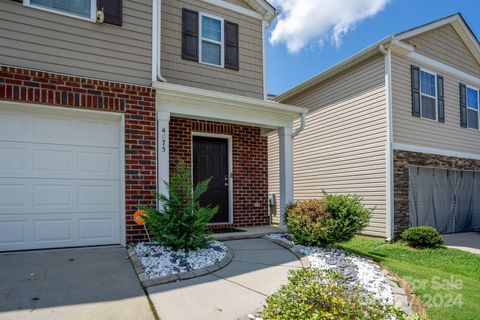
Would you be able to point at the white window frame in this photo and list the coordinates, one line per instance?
(93, 11)
(221, 42)
(478, 105)
(429, 96)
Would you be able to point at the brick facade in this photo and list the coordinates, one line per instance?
(137, 103)
(402, 161)
(250, 165)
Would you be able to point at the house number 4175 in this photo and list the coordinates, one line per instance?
(163, 140)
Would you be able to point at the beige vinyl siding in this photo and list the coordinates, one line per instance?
(36, 39)
(445, 45)
(248, 81)
(274, 175)
(424, 132)
(342, 148)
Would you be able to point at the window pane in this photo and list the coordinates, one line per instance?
(427, 83)
(211, 53)
(211, 29)
(472, 98)
(472, 118)
(428, 108)
(76, 7)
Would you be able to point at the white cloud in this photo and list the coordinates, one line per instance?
(304, 21)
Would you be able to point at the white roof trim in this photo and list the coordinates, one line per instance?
(339, 67)
(217, 106)
(397, 45)
(458, 24)
(425, 28)
(268, 13)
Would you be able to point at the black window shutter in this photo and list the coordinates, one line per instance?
(415, 91)
(112, 10)
(463, 105)
(440, 99)
(231, 45)
(189, 34)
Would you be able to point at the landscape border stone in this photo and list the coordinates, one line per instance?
(146, 282)
(399, 294)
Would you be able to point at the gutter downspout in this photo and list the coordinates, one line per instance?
(389, 146)
(302, 126)
(264, 27)
(156, 41)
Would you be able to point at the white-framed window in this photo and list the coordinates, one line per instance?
(211, 40)
(428, 95)
(472, 107)
(83, 9)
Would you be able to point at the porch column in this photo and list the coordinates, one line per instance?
(286, 170)
(163, 159)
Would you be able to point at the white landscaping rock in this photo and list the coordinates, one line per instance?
(160, 261)
(356, 269)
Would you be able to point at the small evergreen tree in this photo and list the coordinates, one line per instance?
(181, 223)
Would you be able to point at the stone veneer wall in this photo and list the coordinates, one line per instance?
(250, 165)
(137, 103)
(402, 161)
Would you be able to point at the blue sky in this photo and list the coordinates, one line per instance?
(285, 69)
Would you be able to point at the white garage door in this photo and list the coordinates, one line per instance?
(59, 178)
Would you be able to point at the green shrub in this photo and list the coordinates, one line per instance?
(333, 219)
(181, 223)
(323, 294)
(422, 237)
(305, 221)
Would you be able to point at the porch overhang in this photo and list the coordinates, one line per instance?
(183, 101)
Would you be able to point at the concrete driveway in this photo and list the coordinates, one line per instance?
(467, 241)
(86, 283)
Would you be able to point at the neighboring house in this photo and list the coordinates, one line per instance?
(398, 124)
(93, 116)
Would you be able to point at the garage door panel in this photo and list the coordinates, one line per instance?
(48, 127)
(98, 133)
(50, 161)
(14, 232)
(15, 125)
(12, 158)
(39, 196)
(98, 196)
(98, 163)
(32, 160)
(53, 230)
(98, 228)
(13, 196)
(59, 179)
(56, 129)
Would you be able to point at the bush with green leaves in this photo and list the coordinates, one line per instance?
(181, 223)
(422, 237)
(333, 219)
(324, 294)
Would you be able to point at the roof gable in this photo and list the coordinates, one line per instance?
(458, 24)
(455, 21)
(446, 46)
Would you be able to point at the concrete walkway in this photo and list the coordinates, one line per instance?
(88, 283)
(258, 269)
(467, 241)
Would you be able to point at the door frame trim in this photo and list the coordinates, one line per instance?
(230, 169)
(94, 114)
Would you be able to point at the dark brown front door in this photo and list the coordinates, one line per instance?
(210, 159)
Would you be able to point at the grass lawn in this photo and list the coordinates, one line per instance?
(446, 280)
